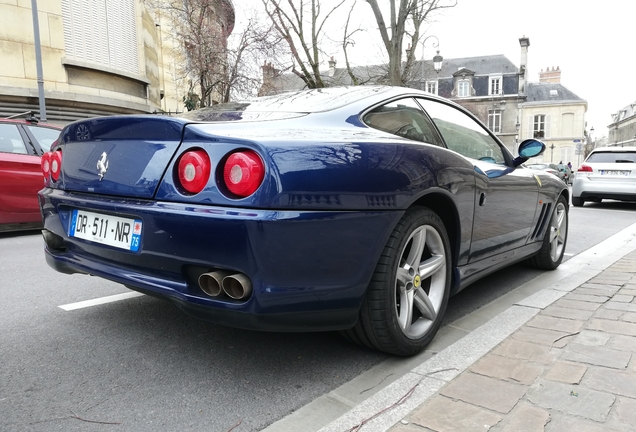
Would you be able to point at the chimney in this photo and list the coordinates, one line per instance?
(269, 71)
(332, 67)
(523, 64)
(550, 75)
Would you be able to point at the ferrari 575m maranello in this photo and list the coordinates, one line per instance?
(356, 209)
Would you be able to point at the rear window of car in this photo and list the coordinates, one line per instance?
(45, 136)
(613, 157)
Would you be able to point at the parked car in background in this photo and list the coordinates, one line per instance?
(359, 209)
(607, 173)
(549, 168)
(22, 143)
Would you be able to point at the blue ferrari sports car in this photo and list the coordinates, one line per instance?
(357, 209)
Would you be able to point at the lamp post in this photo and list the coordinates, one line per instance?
(552, 153)
(437, 60)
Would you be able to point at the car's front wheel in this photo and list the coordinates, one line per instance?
(409, 290)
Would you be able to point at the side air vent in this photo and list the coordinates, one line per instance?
(542, 222)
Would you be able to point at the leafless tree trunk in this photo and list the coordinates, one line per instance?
(300, 25)
(405, 20)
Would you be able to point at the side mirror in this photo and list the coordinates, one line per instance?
(527, 149)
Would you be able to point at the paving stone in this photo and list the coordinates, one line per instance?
(610, 314)
(541, 336)
(491, 393)
(524, 350)
(405, 428)
(626, 307)
(571, 399)
(576, 304)
(628, 291)
(626, 411)
(592, 338)
(602, 290)
(626, 316)
(565, 372)
(507, 369)
(443, 414)
(561, 312)
(623, 298)
(624, 328)
(562, 423)
(621, 383)
(596, 355)
(526, 418)
(623, 343)
(552, 323)
(586, 298)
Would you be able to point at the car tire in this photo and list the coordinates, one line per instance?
(403, 307)
(552, 250)
(577, 202)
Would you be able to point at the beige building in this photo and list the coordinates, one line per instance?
(98, 58)
(622, 130)
(555, 115)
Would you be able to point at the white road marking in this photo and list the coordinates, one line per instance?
(99, 301)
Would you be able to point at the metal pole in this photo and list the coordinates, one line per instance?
(38, 59)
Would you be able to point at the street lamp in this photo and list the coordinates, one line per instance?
(437, 60)
(551, 152)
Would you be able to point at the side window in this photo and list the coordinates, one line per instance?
(403, 118)
(45, 136)
(463, 134)
(11, 140)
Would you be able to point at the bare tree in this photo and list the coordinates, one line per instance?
(405, 20)
(301, 26)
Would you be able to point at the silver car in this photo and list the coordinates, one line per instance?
(607, 173)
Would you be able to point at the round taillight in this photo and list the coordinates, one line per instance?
(243, 173)
(56, 164)
(194, 170)
(45, 163)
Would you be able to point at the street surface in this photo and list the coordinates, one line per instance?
(140, 364)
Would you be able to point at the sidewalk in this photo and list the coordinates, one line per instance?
(558, 360)
(569, 368)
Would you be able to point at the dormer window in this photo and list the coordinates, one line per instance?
(431, 87)
(554, 93)
(463, 88)
(495, 85)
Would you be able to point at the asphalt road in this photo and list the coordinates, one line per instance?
(140, 364)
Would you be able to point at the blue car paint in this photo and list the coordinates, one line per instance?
(309, 238)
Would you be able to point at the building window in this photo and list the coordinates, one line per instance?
(538, 128)
(494, 85)
(494, 120)
(431, 87)
(102, 32)
(463, 88)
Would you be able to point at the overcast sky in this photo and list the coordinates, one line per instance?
(593, 43)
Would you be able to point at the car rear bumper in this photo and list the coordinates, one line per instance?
(618, 188)
(309, 270)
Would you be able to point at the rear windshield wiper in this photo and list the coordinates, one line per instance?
(623, 161)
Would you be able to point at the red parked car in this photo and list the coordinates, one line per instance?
(22, 143)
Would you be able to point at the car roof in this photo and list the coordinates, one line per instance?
(614, 149)
(29, 123)
(306, 101)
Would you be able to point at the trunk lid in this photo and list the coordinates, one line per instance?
(120, 155)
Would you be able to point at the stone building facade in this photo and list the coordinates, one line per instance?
(98, 58)
(622, 130)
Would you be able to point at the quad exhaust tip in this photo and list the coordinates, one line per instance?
(235, 285)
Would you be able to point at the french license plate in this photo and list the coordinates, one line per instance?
(110, 230)
(615, 172)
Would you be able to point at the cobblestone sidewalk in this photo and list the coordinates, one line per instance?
(570, 368)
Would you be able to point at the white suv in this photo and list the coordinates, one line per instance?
(607, 173)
